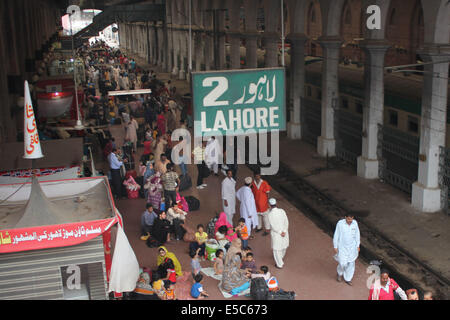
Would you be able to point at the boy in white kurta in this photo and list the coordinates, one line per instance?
(346, 243)
(279, 232)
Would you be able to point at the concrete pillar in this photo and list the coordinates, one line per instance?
(221, 39)
(183, 55)
(297, 84)
(235, 50)
(176, 51)
(426, 191)
(251, 48)
(198, 57)
(209, 51)
(271, 45)
(326, 143)
(163, 38)
(368, 162)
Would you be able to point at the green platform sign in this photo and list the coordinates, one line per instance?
(238, 101)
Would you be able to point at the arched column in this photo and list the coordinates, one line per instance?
(375, 48)
(272, 12)
(297, 83)
(426, 191)
(331, 44)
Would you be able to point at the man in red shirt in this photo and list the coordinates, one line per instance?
(261, 190)
(384, 288)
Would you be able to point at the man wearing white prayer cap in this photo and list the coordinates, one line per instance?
(248, 206)
(279, 232)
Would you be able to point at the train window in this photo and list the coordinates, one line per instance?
(359, 107)
(344, 103)
(413, 124)
(393, 118)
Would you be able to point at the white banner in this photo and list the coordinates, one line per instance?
(32, 145)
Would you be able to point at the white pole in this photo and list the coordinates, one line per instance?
(190, 36)
(282, 33)
(79, 123)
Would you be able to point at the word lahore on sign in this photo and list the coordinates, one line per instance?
(234, 102)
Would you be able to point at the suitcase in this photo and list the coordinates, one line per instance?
(259, 289)
(185, 182)
(193, 203)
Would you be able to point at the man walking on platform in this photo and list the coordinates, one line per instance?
(261, 190)
(248, 206)
(116, 178)
(279, 231)
(346, 243)
(229, 196)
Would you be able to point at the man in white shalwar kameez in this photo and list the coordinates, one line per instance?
(279, 232)
(346, 243)
(212, 154)
(248, 205)
(229, 196)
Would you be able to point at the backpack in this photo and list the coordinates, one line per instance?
(185, 182)
(211, 227)
(259, 289)
(193, 203)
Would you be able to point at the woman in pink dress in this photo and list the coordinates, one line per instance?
(161, 122)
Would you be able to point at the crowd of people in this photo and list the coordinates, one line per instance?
(158, 180)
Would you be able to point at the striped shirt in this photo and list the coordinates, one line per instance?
(199, 154)
(169, 180)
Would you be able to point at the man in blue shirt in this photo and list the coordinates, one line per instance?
(114, 165)
(147, 219)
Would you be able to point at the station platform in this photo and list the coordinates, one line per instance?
(310, 269)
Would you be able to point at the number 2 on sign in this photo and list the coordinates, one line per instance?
(222, 86)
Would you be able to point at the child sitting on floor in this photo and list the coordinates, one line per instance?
(158, 285)
(195, 263)
(249, 264)
(200, 241)
(197, 290)
(218, 265)
(262, 273)
(171, 274)
(169, 291)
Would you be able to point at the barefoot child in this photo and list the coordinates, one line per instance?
(197, 290)
(218, 265)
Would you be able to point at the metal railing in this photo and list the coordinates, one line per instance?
(399, 155)
(311, 119)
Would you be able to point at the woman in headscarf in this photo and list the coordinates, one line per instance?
(233, 276)
(164, 255)
(222, 221)
(155, 190)
(161, 229)
(144, 290)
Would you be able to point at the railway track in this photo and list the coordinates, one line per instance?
(325, 212)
